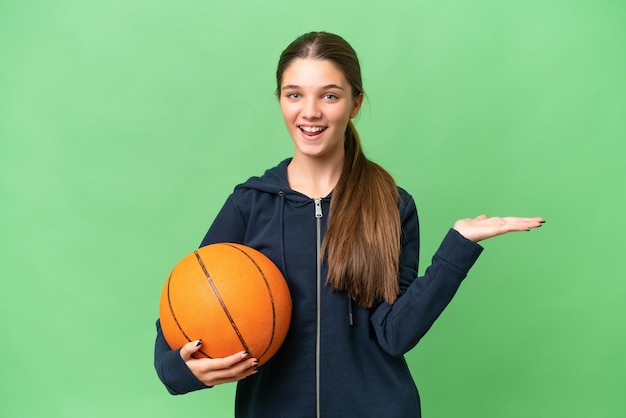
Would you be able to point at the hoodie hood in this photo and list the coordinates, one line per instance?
(274, 185)
(274, 181)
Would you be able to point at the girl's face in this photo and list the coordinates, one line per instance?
(316, 102)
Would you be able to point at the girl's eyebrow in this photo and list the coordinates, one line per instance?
(326, 87)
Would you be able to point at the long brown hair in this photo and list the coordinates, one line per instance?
(362, 241)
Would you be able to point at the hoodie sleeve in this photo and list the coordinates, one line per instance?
(170, 367)
(399, 326)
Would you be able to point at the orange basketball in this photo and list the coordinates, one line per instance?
(229, 295)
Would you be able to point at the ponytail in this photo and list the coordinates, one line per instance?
(362, 241)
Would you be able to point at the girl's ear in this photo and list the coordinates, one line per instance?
(358, 101)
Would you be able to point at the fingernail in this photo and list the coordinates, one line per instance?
(256, 369)
(244, 354)
(255, 362)
(199, 343)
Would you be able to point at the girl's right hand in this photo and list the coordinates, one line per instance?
(215, 371)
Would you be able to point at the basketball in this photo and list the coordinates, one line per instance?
(229, 295)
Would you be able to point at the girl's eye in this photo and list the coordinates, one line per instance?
(293, 96)
(330, 96)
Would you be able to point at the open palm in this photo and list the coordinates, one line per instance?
(483, 227)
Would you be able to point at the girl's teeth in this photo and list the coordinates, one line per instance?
(312, 129)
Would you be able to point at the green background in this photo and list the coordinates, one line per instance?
(124, 125)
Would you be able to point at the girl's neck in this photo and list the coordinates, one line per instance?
(314, 177)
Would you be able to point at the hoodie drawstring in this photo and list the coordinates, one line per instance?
(281, 194)
(350, 319)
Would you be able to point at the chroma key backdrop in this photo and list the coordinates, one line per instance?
(124, 125)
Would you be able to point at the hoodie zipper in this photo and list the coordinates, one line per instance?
(318, 222)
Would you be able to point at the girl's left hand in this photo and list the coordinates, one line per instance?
(483, 227)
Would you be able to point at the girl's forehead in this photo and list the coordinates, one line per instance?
(309, 71)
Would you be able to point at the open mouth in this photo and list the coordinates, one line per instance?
(312, 130)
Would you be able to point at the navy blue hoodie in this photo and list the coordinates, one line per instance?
(338, 359)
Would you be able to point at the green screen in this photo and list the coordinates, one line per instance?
(124, 125)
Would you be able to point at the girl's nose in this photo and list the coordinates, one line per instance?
(311, 109)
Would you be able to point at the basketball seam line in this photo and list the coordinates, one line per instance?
(221, 301)
(169, 302)
(269, 291)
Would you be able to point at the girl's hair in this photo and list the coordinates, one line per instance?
(362, 241)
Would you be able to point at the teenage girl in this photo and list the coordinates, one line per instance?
(347, 240)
